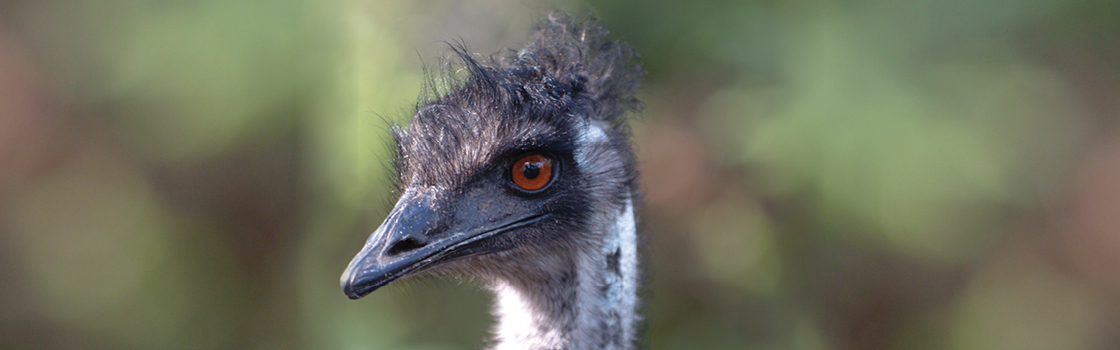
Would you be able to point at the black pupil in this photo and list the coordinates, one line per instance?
(532, 170)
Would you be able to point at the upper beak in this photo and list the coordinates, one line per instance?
(418, 234)
(400, 243)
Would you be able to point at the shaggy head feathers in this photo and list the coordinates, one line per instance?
(538, 97)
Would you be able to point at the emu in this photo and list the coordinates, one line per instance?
(523, 177)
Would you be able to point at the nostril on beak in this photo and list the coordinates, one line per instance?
(406, 244)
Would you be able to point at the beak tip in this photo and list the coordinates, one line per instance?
(353, 284)
(347, 282)
(355, 292)
(349, 289)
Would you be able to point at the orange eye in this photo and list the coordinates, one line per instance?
(532, 173)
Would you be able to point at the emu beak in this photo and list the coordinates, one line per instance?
(418, 234)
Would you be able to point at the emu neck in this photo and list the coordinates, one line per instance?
(585, 300)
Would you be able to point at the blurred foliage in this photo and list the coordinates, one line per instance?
(819, 174)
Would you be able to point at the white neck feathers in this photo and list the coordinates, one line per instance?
(597, 309)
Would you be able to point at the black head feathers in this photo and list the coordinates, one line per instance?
(569, 73)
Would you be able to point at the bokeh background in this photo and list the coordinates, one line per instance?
(852, 174)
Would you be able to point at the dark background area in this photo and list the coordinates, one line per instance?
(819, 174)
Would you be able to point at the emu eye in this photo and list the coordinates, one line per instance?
(532, 173)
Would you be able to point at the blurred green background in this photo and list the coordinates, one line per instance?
(852, 174)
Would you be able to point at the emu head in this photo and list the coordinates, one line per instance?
(514, 170)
